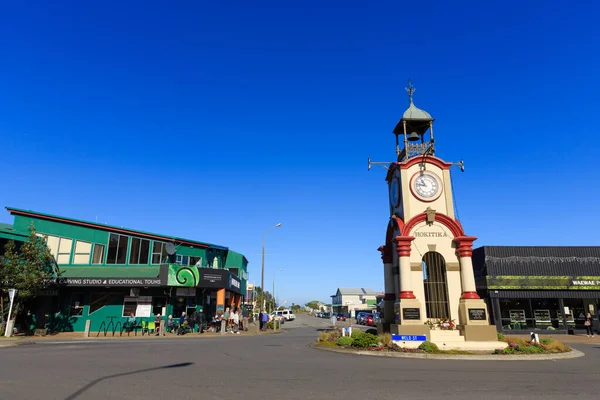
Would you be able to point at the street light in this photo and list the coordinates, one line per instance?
(275, 301)
(262, 277)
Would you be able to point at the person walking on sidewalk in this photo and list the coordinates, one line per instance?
(588, 325)
(245, 319)
(235, 317)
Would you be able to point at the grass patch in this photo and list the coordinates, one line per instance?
(546, 346)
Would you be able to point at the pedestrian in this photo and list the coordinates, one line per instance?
(588, 325)
(265, 320)
(200, 320)
(182, 324)
(260, 320)
(245, 318)
(236, 322)
(157, 324)
(224, 321)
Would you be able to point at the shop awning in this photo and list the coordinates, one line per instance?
(545, 294)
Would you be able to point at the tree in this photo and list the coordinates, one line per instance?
(26, 267)
(296, 308)
(269, 300)
(315, 304)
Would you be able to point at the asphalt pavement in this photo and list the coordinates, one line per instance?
(276, 366)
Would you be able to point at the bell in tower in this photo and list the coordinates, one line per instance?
(413, 126)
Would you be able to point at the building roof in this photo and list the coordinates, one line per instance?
(537, 260)
(35, 214)
(7, 232)
(415, 113)
(357, 291)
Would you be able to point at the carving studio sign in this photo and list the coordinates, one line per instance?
(127, 282)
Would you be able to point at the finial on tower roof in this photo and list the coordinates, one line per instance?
(410, 90)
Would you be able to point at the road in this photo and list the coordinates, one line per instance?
(278, 366)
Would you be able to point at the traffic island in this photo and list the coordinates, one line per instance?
(361, 343)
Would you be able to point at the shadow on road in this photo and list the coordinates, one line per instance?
(93, 383)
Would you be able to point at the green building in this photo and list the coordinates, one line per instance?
(107, 273)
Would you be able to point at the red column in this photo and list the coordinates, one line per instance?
(403, 248)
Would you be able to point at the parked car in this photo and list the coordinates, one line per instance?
(288, 314)
(319, 314)
(360, 317)
(369, 320)
(340, 317)
(376, 318)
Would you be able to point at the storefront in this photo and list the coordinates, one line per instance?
(107, 273)
(539, 288)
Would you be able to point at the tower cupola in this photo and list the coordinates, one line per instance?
(413, 126)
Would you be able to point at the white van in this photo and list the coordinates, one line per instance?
(287, 314)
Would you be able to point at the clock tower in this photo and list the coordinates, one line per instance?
(428, 273)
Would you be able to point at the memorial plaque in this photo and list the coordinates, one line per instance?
(411, 313)
(477, 314)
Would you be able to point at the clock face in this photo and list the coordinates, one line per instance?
(426, 185)
(394, 192)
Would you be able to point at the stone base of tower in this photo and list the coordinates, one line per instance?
(408, 312)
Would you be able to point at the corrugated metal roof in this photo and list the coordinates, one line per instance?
(545, 294)
(537, 260)
(358, 291)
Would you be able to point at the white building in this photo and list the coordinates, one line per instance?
(347, 301)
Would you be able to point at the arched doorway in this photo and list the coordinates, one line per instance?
(436, 286)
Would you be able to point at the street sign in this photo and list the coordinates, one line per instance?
(409, 338)
(12, 293)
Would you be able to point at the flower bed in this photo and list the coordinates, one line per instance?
(520, 346)
(360, 340)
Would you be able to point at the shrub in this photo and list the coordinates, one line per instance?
(356, 333)
(345, 341)
(501, 336)
(365, 340)
(546, 341)
(323, 336)
(385, 339)
(372, 331)
(428, 347)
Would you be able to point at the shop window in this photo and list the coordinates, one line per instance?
(159, 253)
(140, 249)
(98, 256)
(196, 261)
(516, 314)
(138, 306)
(157, 305)
(60, 248)
(77, 300)
(182, 260)
(575, 313)
(117, 249)
(82, 252)
(547, 314)
(184, 302)
(99, 300)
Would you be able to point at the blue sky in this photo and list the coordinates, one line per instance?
(216, 120)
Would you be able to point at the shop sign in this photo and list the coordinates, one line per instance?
(119, 282)
(543, 282)
(182, 275)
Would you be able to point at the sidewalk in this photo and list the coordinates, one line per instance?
(78, 336)
(562, 338)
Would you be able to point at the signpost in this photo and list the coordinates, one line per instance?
(11, 295)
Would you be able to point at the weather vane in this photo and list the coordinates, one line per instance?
(410, 90)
